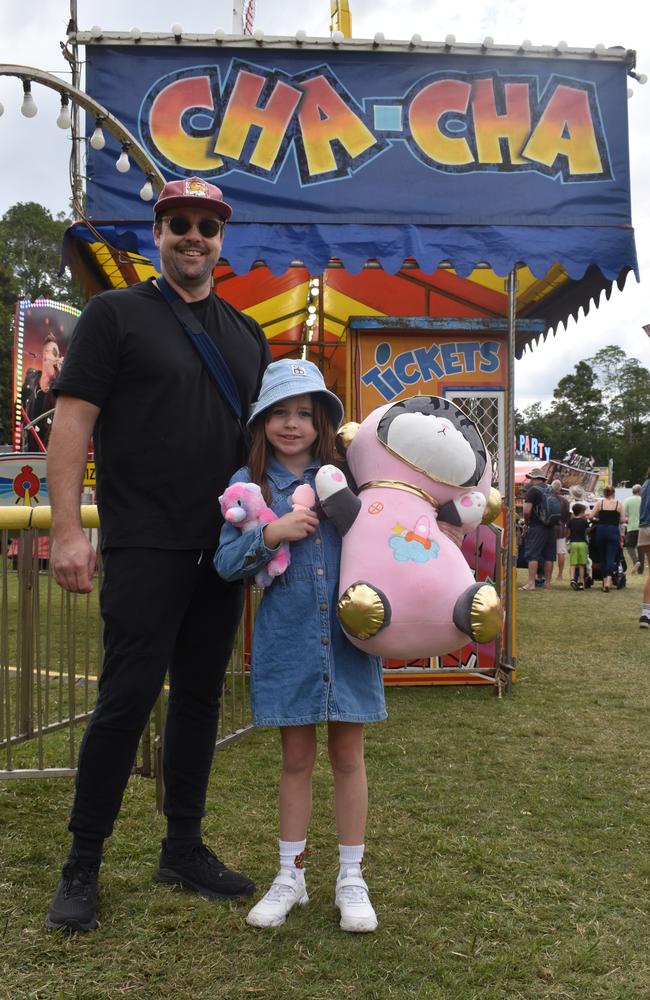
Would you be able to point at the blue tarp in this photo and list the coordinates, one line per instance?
(610, 248)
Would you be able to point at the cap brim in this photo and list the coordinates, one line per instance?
(220, 208)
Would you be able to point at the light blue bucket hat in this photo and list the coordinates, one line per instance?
(291, 377)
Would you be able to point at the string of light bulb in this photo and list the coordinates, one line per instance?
(130, 147)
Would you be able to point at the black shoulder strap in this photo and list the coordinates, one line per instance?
(212, 357)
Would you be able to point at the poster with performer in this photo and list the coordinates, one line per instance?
(42, 332)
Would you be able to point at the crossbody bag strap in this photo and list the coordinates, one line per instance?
(212, 357)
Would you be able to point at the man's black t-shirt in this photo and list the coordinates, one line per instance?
(166, 442)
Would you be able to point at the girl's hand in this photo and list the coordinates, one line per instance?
(291, 527)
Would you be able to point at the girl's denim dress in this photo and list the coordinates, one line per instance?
(303, 668)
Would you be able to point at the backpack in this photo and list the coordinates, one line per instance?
(549, 509)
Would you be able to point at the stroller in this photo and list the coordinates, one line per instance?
(594, 569)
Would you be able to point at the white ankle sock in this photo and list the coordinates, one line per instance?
(292, 856)
(350, 856)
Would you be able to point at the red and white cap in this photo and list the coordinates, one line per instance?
(193, 192)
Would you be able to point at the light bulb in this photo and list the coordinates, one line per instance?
(219, 34)
(146, 191)
(136, 34)
(450, 40)
(258, 35)
(97, 140)
(379, 38)
(526, 45)
(64, 120)
(641, 78)
(599, 48)
(310, 320)
(630, 92)
(301, 36)
(28, 107)
(311, 309)
(337, 37)
(488, 41)
(96, 32)
(177, 30)
(416, 39)
(123, 164)
(561, 46)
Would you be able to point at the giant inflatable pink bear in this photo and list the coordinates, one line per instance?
(406, 590)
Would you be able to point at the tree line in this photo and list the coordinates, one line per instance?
(602, 410)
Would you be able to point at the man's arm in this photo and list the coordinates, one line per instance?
(71, 554)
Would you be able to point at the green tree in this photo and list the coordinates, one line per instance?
(607, 364)
(30, 250)
(8, 296)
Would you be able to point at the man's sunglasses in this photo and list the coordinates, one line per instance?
(209, 228)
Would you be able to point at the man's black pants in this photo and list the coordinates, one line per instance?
(164, 610)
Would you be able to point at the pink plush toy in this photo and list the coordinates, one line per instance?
(243, 505)
(406, 590)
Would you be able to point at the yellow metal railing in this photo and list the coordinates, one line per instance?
(51, 655)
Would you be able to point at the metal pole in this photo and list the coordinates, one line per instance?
(77, 186)
(509, 659)
(238, 17)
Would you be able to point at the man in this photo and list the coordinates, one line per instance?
(560, 531)
(166, 443)
(631, 507)
(540, 538)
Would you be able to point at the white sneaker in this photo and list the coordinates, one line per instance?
(353, 901)
(286, 890)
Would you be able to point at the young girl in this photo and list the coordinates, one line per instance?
(303, 668)
(576, 533)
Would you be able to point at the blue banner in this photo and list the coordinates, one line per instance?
(302, 136)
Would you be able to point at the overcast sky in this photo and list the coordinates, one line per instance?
(34, 153)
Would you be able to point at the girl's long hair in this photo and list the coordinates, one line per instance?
(323, 448)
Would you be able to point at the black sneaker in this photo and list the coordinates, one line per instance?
(574, 585)
(74, 906)
(644, 621)
(201, 870)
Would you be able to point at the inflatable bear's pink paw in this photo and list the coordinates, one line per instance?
(329, 480)
(470, 508)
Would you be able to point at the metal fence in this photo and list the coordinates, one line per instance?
(51, 656)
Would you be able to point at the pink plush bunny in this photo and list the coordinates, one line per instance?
(242, 504)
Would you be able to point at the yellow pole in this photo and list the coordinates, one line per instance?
(340, 17)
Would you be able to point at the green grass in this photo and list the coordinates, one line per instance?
(507, 848)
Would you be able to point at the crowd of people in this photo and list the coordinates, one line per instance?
(594, 536)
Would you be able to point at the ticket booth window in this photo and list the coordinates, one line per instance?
(485, 409)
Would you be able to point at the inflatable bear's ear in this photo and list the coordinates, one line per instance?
(344, 436)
